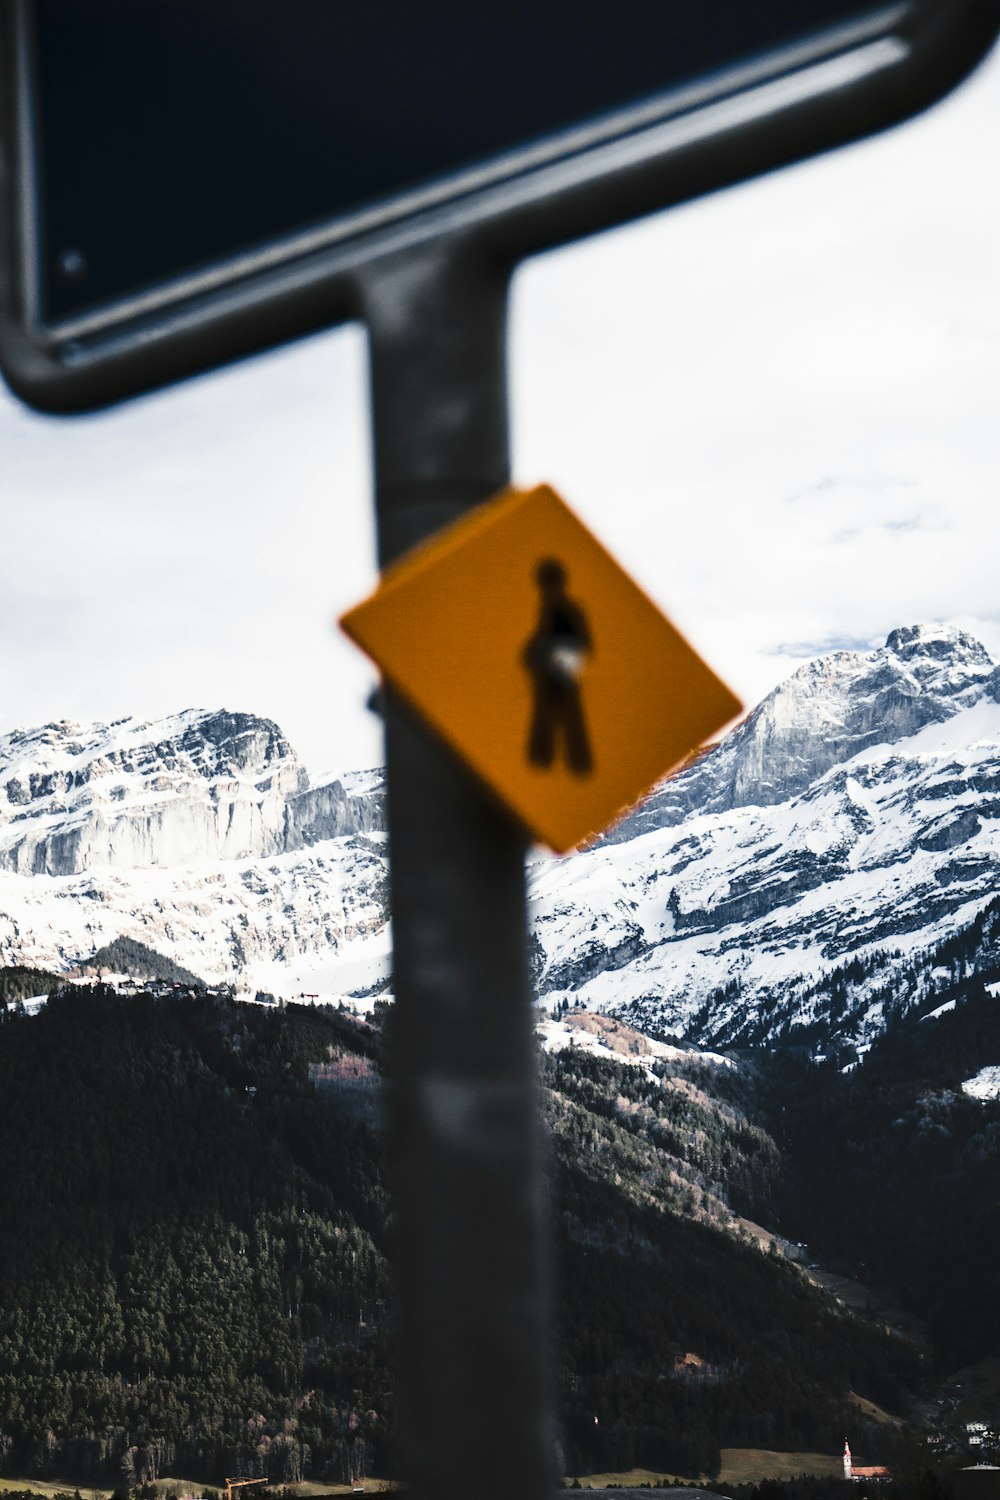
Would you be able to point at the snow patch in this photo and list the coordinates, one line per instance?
(603, 1036)
(985, 1085)
(941, 1011)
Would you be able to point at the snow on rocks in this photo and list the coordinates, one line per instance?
(167, 792)
(883, 849)
(856, 812)
(603, 1036)
(985, 1085)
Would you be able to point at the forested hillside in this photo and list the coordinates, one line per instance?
(677, 1334)
(893, 1166)
(194, 1215)
(20, 983)
(192, 1244)
(126, 956)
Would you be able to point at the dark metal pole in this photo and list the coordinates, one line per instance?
(475, 1416)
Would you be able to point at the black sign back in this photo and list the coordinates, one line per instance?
(162, 155)
(175, 133)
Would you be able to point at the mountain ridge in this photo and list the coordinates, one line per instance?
(875, 829)
(922, 674)
(137, 794)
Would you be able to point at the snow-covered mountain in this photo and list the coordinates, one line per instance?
(855, 813)
(198, 834)
(135, 795)
(827, 712)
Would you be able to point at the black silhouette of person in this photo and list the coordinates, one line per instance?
(555, 657)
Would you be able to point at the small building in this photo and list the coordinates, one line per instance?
(857, 1472)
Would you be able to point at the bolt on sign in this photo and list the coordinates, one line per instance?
(521, 641)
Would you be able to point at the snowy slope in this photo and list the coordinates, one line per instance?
(604, 1036)
(985, 1085)
(223, 920)
(198, 834)
(856, 812)
(720, 919)
(132, 795)
(828, 711)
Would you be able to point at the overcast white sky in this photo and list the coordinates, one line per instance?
(777, 407)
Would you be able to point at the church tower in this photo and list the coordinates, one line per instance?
(847, 1459)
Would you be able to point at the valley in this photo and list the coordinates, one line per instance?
(166, 1305)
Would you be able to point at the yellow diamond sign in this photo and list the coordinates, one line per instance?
(520, 640)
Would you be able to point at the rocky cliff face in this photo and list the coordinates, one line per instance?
(828, 711)
(240, 920)
(857, 811)
(173, 792)
(198, 835)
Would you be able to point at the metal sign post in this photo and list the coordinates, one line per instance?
(467, 1160)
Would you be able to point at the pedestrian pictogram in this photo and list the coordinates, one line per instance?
(521, 641)
(556, 656)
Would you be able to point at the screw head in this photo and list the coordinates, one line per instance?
(71, 266)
